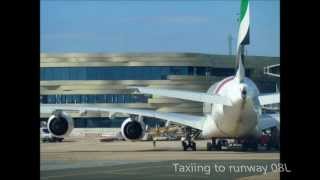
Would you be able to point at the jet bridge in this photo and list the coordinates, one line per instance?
(272, 70)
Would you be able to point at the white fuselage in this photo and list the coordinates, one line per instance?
(238, 120)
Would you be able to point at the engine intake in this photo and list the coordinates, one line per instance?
(60, 124)
(132, 130)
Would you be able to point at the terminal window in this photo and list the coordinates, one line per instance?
(92, 99)
(128, 73)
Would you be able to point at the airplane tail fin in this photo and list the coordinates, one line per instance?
(243, 38)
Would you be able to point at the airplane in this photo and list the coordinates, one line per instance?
(232, 106)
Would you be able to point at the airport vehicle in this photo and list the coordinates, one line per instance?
(232, 107)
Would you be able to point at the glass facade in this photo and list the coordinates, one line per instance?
(95, 98)
(129, 73)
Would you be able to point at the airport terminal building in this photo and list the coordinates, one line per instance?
(105, 80)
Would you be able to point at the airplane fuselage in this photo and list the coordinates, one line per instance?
(238, 120)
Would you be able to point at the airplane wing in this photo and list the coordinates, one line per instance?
(266, 99)
(183, 119)
(268, 120)
(187, 95)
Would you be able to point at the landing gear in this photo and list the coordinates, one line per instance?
(233, 144)
(211, 145)
(216, 146)
(188, 143)
(249, 144)
(222, 143)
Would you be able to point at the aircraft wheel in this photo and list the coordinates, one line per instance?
(255, 146)
(193, 146)
(209, 146)
(244, 146)
(219, 145)
(184, 145)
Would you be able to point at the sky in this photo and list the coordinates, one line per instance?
(110, 26)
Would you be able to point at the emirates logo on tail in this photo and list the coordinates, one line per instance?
(243, 38)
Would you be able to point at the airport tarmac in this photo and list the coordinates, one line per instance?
(88, 158)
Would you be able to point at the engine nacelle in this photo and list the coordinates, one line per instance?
(60, 124)
(132, 130)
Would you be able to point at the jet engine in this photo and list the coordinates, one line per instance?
(132, 130)
(60, 124)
